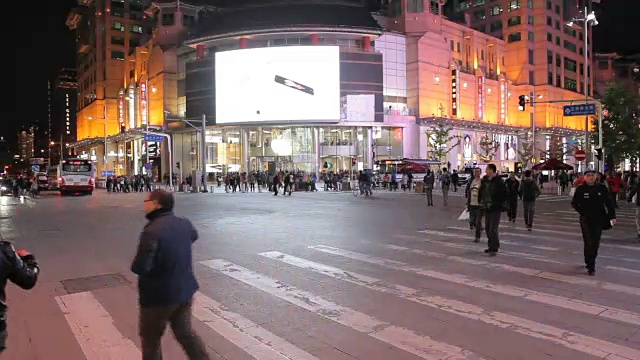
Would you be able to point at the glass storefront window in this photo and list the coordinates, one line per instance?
(388, 143)
(339, 148)
(224, 150)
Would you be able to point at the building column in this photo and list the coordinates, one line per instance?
(316, 151)
(366, 43)
(244, 43)
(244, 145)
(315, 39)
(369, 161)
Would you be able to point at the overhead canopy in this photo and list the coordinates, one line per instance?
(552, 164)
(413, 167)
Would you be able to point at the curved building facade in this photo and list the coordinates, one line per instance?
(287, 85)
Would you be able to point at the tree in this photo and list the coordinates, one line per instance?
(441, 141)
(557, 148)
(487, 147)
(620, 132)
(525, 150)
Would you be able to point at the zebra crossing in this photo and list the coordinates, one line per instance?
(424, 294)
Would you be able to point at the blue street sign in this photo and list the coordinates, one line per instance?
(579, 110)
(153, 138)
(108, 173)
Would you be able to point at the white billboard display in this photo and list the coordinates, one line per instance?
(278, 84)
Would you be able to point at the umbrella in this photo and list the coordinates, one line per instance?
(552, 164)
(413, 167)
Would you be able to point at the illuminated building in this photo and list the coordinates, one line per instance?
(62, 117)
(106, 31)
(467, 77)
(319, 104)
(26, 143)
(150, 90)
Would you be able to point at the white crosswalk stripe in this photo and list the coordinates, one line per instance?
(533, 270)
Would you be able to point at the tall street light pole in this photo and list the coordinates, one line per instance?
(588, 19)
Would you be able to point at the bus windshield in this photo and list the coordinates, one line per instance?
(77, 166)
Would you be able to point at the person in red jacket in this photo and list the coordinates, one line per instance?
(614, 183)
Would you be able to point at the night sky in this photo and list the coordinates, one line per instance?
(41, 48)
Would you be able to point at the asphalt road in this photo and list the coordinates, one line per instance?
(328, 276)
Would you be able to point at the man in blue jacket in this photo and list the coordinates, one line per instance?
(166, 282)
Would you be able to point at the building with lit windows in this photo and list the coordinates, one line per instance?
(62, 118)
(614, 68)
(106, 32)
(468, 75)
(291, 85)
(26, 144)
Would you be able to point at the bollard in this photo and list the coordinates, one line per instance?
(211, 188)
(559, 190)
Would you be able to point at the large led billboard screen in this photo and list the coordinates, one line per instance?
(278, 84)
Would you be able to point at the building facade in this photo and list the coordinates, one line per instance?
(614, 68)
(107, 31)
(468, 77)
(322, 109)
(26, 144)
(62, 130)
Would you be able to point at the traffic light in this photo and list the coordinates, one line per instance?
(599, 154)
(522, 102)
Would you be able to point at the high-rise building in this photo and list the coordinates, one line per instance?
(26, 143)
(62, 112)
(107, 30)
(614, 68)
(542, 49)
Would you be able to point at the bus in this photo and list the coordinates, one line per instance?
(77, 176)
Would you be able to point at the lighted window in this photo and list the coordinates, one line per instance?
(513, 5)
(135, 29)
(478, 2)
(479, 15)
(117, 55)
(116, 25)
(495, 10)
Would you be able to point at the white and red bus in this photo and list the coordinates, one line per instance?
(77, 176)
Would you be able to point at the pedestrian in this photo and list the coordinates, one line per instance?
(635, 191)
(428, 180)
(513, 185)
(472, 193)
(21, 268)
(493, 197)
(528, 192)
(445, 182)
(166, 283)
(597, 212)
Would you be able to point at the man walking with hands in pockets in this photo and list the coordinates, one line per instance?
(597, 212)
(166, 282)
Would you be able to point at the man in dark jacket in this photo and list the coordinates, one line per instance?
(528, 192)
(21, 268)
(166, 282)
(597, 212)
(512, 187)
(634, 185)
(493, 196)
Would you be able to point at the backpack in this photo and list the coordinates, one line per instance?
(529, 190)
(447, 180)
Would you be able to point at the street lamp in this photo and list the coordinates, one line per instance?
(588, 19)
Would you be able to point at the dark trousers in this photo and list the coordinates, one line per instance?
(591, 234)
(529, 208)
(491, 224)
(153, 322)
(429, 191)
(475, 220)
(512, 211)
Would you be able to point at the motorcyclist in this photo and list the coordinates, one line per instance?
(21, 268)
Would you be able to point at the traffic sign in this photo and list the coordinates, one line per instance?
(580, 155)
(107, 173)
(579, 110)
(153, 138)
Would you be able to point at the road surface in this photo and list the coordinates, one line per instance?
(329, 276)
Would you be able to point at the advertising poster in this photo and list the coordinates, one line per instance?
(278, 84)
(467, 146)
